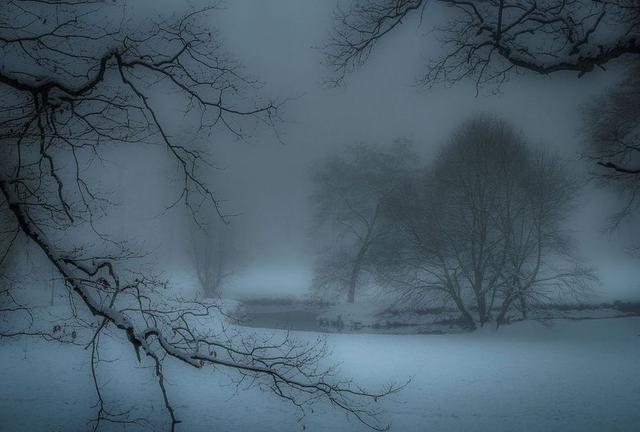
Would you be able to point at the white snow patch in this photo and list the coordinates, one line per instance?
(569, 376)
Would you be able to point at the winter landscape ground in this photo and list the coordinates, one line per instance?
(561, 375)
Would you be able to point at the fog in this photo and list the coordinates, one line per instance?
(264, 179)
(267, 181)
(245, 215)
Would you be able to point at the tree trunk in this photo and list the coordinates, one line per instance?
(504, 308)
(523, 305)
(466, 316)
(483, 314)
(355, 274)
(353, 281)
(357, 265)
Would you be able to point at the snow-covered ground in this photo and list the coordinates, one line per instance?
(559, 376)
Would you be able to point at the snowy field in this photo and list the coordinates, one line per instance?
(568, 376)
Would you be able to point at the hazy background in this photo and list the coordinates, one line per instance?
(266, 180)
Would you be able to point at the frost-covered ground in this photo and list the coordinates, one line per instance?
(568, 376)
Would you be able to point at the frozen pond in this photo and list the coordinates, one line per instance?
(302, 319)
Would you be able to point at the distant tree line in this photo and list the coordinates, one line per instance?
(482, 227)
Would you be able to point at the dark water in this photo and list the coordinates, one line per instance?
(302, 320)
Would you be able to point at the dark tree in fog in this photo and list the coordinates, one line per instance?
(215, 256)
(350, 191)
(484, 226)
(78, 78)
(488, 40)
(612, 124)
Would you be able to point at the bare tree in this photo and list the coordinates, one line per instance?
(215, 256)
(80, 77)
(484, 227)
(532, 213)
(612, 129)
(349, 196)
(488, 40)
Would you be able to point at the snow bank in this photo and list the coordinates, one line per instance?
(528, 377)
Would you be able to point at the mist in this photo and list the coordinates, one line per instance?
(207, 207)
(270, 183)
